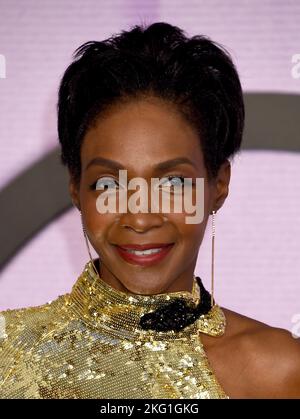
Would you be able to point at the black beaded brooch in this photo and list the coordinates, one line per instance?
(178, 314)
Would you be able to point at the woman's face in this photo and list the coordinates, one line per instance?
(138, 136)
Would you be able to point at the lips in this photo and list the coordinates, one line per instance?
(154, 252)
(144, 246)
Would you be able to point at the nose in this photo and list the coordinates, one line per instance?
(141, 222)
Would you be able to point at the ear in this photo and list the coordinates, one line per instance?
(222, 185)
(74, 192)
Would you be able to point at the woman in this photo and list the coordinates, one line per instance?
(137, 323)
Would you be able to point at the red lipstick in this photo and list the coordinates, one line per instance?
(160, 251)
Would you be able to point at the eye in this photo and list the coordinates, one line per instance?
(104, 183)
(175, 184)
(172, 180)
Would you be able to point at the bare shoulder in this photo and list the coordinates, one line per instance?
(265, 359)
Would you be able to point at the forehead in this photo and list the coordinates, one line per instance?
(141, 133)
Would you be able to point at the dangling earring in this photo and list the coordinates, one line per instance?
(87, 245)
(212, 258)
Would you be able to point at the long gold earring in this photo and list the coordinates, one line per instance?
(87, 245)
(212, 257)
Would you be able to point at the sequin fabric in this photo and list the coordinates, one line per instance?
(87, 344)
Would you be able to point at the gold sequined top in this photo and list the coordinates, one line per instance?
(87, 344)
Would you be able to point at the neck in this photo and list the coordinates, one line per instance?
(101, 305)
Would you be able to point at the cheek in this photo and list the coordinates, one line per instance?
(101, 225)
(97, 224)
(191, 235)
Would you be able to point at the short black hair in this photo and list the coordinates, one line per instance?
(194, 73)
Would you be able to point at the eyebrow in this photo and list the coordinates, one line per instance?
(101, 161)
(168, 164)
(160, 167)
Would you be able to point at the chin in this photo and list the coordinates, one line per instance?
(143, 289)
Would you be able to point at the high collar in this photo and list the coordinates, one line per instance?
(103, 306)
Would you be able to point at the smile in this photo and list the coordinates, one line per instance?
(145, 255)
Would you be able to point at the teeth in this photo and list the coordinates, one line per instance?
(144, 252)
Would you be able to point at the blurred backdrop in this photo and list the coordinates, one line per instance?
(257, 268)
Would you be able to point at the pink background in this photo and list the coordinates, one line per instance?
(257, 268)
